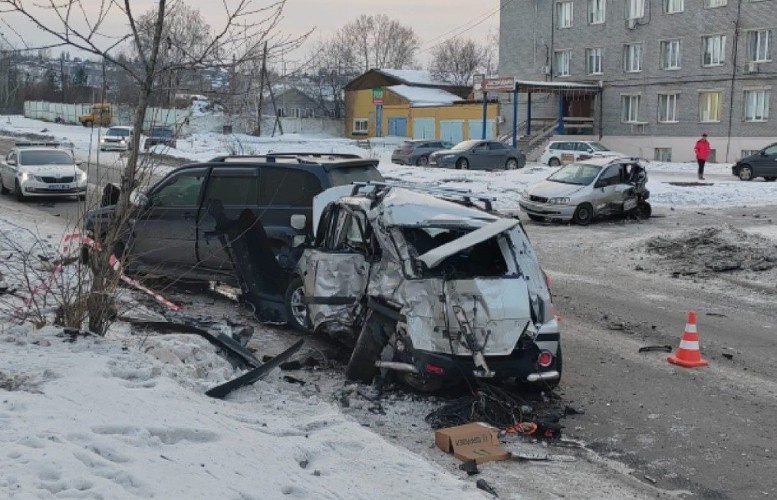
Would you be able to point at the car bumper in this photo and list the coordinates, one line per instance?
(401, 160)
(43, 189)
(551, 211)
(436, 162)
(735, 170)
(107, 146)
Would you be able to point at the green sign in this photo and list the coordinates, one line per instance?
(377, 95)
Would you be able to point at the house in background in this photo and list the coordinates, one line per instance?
(302, 112)
(413, 103)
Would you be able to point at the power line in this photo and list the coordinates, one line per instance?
(477, 23)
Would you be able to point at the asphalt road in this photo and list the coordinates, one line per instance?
(704, 431)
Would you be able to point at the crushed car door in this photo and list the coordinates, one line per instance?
(337, 269)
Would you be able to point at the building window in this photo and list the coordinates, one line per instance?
(662, 154)
(759, 45)
(673, 6)
(630, 108)
(632, 58)
(361, 126)
(564, 14)
(756, 105)
(711, 4)
(594, 61)
(710, 105)
(596, 11)
(667, 108)
(670, 54)
(562, 62)
(635, 9)
(713, 50)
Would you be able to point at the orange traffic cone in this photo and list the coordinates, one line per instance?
(688, 354)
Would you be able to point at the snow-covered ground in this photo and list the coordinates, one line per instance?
(720, 189)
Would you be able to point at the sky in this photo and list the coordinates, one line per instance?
(433, 20)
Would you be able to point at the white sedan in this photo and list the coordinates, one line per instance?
(41, 171)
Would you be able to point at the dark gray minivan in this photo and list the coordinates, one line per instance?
(174, 235)
(760, 164)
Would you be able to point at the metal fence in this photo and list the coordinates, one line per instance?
(121, 115)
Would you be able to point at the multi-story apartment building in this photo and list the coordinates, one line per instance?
(669, 70)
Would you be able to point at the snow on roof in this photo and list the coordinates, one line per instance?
(416, 77)
(424, 96)
(563, 85)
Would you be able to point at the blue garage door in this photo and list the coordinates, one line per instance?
(476, 129)
(423, 128)
(452, 131)
(397, 127)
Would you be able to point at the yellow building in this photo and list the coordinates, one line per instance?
(412, 103)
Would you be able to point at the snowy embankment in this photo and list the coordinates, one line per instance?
(720, 189)
(125, 416)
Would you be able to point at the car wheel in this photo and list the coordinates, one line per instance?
(296, 309)
(745, 173)
(584, 214)
(422, 161)
(85, 124)
(536, 218)
(18, 192)
(554, 162)
(511, 164)
(462, 164)
(371, 341)
(3, 189)
(770, 179)
(644, 210)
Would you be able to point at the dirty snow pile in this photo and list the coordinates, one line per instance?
(126, 416)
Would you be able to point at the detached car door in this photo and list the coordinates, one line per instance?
(336, 269)
(165, 233)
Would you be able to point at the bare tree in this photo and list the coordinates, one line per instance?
(333, 65)
(380, 42)
(80, 24)
(456, 60)
(9, 77)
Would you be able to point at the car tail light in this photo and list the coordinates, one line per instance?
(434, 369)
(545, 359)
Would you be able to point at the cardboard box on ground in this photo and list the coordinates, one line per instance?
(474, 441)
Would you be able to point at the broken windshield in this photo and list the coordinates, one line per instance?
(580, 174)
(484, 259)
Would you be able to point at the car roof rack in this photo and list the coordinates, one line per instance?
(37, 144)
(310, 158)
(465, 196)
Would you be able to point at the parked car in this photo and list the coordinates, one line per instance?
(416, 283)
(116, 139)
(761, 164)
(41, 169)
(174, 233)
(559, 152)
(581, 191)
(160, 135)
(417, 152)
(476, 154)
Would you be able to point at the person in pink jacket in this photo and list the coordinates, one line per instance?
(702, 150)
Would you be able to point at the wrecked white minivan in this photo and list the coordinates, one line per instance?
(430, 285)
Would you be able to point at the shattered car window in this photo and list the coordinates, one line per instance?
(484, 259)
(580, 174)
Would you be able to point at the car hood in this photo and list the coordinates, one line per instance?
(443, 152)
(550, 189)
(50, 170)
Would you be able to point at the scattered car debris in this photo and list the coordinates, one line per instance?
(727, 355)
(541, 457)
(652, 348)
(477, 442)
(483, 485)
(651, 479)
(221, 391)
(717, 315)
(470, 467)
(488, 403)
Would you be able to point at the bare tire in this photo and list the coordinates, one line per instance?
(422, 161)
(584, 214)
(554, 162)
(462, 164)
(296, 309)
(644, 210)
(745, 173)
(18, 192)
(3, 189)
(371, 341)
(511, 164)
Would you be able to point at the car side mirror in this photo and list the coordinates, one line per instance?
(762, 153)
(139, 199)
(12, 162)
(298, 221)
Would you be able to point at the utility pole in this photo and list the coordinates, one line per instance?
(261, 91)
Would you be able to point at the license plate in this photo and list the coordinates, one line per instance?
(58, 187)
(629, 204)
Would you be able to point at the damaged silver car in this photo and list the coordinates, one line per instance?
(434, 286)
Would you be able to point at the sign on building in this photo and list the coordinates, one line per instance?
(500, 84)
(377, 96)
